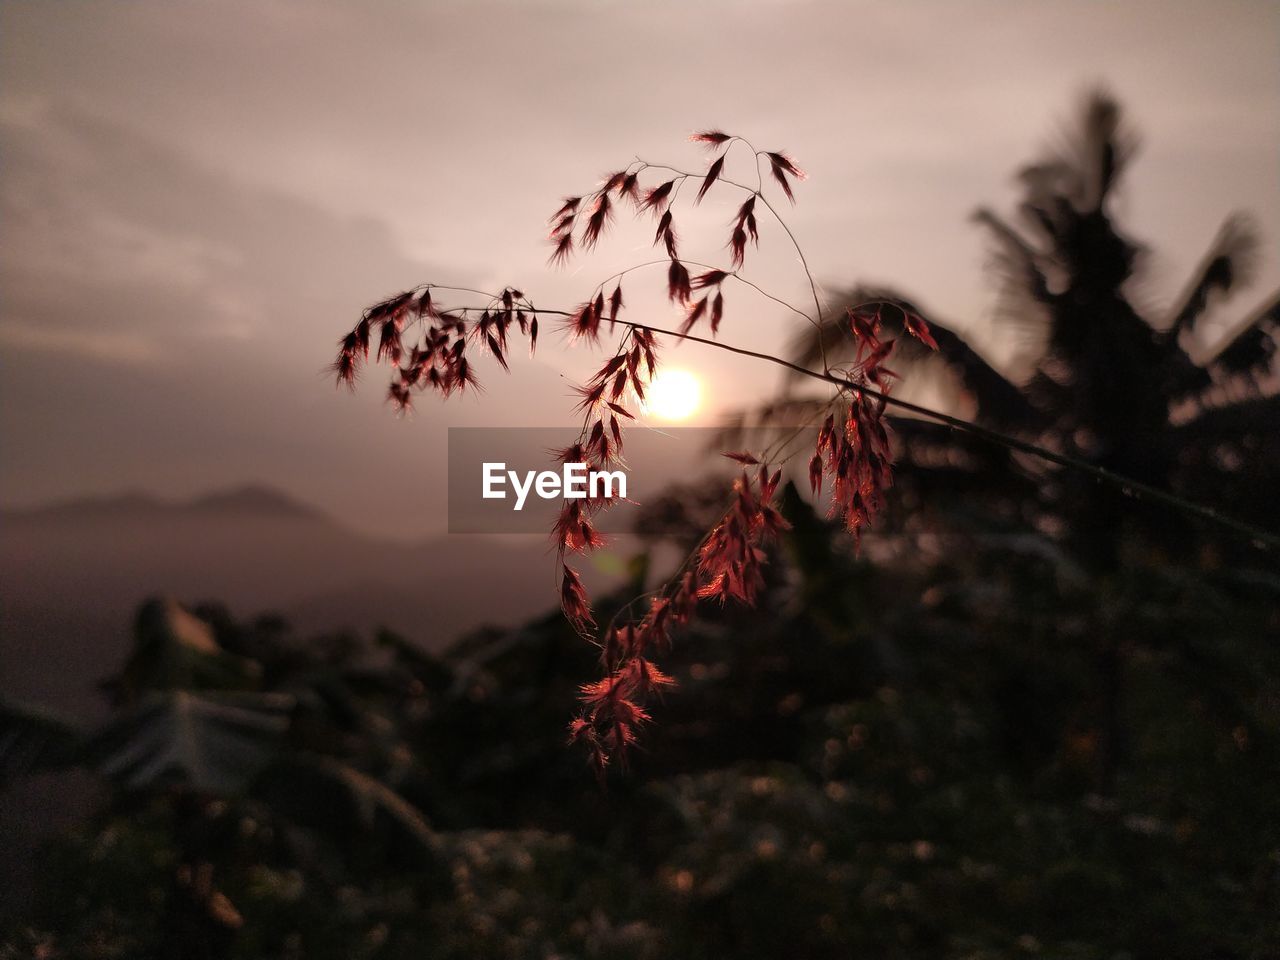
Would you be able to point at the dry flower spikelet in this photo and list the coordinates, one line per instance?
(433, 347)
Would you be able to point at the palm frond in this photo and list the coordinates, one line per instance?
(1024, 273)
(1227, 266)
(1237, 366)
(1248, 357)
(1250, 347)
(999, 402)
(1012, 244)
(1043, 208)
(1083, 169)
(1103, 149)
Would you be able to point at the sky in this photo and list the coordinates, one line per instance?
(198, 199)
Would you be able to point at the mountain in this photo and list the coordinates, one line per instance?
(254, 500)
(249, 499)
(72, 575)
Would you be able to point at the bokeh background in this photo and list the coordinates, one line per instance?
(199, 199)
(339, 730)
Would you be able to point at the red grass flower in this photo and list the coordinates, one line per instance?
(712, 176)
(917, 327)
(738, 247)
(657, 195)
(563, 250)
(600, 216)
(712, 138)
(678, 285)
(782, 166)
(428, 347)
(666, 234)
(694, 315)
(573, 598)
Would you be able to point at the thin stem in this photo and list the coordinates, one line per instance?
(1126, 484)
(813, 286)
(663, 262)
(768, 296)
(679, 571)
(759, 192)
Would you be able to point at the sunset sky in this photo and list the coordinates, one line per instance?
(197, 199)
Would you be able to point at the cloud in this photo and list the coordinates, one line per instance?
(104, 345)
(90, 206)
(195, 199)
(164, 325)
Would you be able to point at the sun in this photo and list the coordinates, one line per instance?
(673, 394)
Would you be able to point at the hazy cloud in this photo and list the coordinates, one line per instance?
(196, 198)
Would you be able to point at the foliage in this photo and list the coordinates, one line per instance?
(1005, 729)
(1107, 381)
(895, 759)
(1103, 399)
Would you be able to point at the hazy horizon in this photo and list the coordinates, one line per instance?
(197, 200)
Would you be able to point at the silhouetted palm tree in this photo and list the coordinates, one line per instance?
(1106, 382)
(1109, 385)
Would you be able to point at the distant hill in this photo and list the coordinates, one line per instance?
(250, 499)
(72, 575)
(254, 500)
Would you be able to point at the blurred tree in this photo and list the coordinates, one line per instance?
(235, 742)
(881, 759)
(1137, 395)
(896, 757)
(897, 754)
